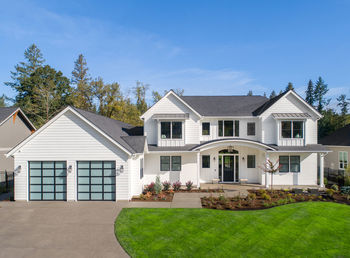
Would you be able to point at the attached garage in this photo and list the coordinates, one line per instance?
(96, 180)
(47, 181)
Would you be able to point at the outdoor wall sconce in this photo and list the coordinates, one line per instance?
(18, 170)
(70, 168)
(214, 158)
(121, 169)
(243, 158)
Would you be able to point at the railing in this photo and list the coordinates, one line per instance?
(6, 185)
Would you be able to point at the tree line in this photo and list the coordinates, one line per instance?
(42, 91)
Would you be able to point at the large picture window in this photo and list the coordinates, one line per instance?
(343, 159)
(289, 163)
(228, 128)
(292, 129)
(171, 130)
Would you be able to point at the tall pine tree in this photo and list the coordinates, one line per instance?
(290, 86)
(319, 94)
(343, 103)
(250, 93)
(310, 98)
(273, 94)
(83, 95)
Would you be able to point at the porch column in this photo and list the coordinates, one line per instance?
(266, 174)
(198, 169)
(321, 169)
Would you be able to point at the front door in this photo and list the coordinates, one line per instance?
(228, 168)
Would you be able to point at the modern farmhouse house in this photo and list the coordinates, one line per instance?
(79, 155)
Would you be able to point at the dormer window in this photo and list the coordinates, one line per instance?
(171, 130)
(292, 129)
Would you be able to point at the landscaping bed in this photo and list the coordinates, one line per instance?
(263, 199)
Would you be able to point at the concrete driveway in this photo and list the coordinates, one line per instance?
(59, 229)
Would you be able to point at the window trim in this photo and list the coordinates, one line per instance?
(343, 160)
(292, 129)
(251, 155)
(171, 130)
(208, 129)
(251, 123)
(289, 163)
(206, 156)
(235, 128)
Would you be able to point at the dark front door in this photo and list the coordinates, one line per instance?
(229, 168)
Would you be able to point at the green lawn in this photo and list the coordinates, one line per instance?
(309, 229)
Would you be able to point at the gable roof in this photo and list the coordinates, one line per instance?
(114, 130)
(7, 112)
(225, 105)
(340, 137)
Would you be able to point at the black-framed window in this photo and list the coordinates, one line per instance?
(164, 163)
(284, 163)
(165, 130)
(292, 129)
(141, 168)
(175, 163)
(206, 128)
(176, 130)
(96, 180)
(228, 128)
(171, 130)
(47, 180)
(251, 161)
(206, 161)
(251, 128)
(294, 163)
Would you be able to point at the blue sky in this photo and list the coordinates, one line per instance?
(204, 47)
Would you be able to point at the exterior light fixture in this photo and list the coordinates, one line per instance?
(70, 168)
(230, 149)
(121, 169)
(243, 158)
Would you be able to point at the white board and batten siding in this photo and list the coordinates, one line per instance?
(171, 105)
(270, 127)
(70, 139)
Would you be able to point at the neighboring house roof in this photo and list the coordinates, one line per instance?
(225, 105)
(306, 148)
(340, 137)
(7, 112)
(119, 131)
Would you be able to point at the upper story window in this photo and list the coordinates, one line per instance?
(343, 159)
(171, 130)
(251, 129)
(228, 128)
(292, 129)
(206, 128)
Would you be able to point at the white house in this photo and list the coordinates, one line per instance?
(79, 155)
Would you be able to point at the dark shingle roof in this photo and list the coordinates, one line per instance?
(187, 147)
(306, 148)
(340, 137)
(117, 130)
(5, 112)
(225, 105)
(268, 104)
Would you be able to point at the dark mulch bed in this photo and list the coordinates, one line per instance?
(164, 196)
(263, 199)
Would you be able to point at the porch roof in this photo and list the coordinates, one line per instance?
(290, 115)
(307, 148)
(240, 141)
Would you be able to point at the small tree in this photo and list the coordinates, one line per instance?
(158, 185)
(271, 168)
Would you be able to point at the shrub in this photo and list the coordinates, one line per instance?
(325, 181)
(330, 192)
(261, 191)
(148, 195)
(158, 185)
(177, 186)
(252, 196)
(189, 185)
(142, 197)
(150, 187)
(266, 197)
(335, 187)
(162, 196)
(166, 185)
(222, 198)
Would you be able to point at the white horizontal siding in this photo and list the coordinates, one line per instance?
(70, 139)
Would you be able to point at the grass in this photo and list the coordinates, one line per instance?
(309, 229)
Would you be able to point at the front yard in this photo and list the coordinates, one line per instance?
(307, 229)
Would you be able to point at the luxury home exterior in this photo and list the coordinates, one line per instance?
(79, 155)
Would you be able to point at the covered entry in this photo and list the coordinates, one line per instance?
(228, 165)
(96, 180)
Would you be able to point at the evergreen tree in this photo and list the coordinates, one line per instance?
(289, 86)
(280, 92)
(50, 93)
(319, 94)
(3, 101)
(140, 95)
(33, 60)
(265, 94)
(343, 103)
(83, 95)
(310, 93)
(250, 93)
(156, 96)
(273, 94)
(179, 92)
